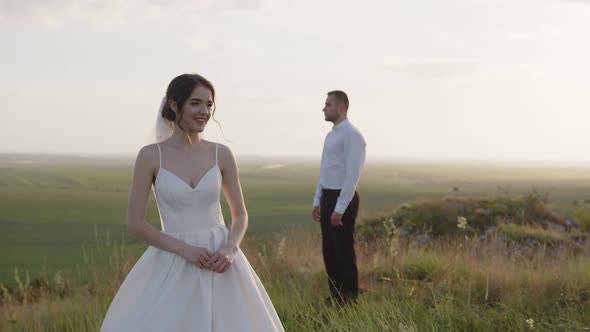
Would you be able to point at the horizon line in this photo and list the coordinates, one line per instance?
(400, 159)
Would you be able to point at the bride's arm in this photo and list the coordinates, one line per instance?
(232, 190)
(145, 167)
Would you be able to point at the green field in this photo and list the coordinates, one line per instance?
(50, 210)
(62, 221)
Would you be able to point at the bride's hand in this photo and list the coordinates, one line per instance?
(223, 258)
(196, 255)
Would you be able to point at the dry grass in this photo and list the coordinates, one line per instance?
(459, 285)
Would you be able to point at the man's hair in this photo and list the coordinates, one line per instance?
(340, 97)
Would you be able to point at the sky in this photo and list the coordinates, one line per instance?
(427, 79)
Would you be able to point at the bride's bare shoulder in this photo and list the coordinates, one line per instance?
(148, 156)
(225, 157)
(224, 151)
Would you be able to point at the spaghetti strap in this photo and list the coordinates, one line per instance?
(160, 153)
(216, 152)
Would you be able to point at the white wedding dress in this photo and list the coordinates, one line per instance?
(163, 292)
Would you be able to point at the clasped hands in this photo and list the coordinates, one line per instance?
(219, 261)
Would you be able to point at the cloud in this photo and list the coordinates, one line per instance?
(581, 2)
(22, 8)
(260, 101)
(104, 9)
(437, 70)
(431, 68)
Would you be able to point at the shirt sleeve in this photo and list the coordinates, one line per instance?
(318, 194)
(355, 159)
(318, 190)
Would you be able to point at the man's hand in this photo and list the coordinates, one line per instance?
(316, 213)
(336, 219)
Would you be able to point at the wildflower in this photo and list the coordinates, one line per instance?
(461, 222)
(531, 323)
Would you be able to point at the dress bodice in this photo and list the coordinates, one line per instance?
(184, 208)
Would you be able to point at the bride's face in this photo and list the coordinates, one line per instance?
(197, 110)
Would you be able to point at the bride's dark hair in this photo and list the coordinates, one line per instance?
(179, 90)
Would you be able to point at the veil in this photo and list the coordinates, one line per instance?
(164, 128)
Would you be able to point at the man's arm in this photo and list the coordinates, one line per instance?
(355, 159)
(318, 194)
(315, 213)
(318, 191)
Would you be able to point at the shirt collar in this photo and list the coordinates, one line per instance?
(341, 125)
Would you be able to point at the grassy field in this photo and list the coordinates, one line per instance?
(50, 209)
(458, 286)
(64, 220)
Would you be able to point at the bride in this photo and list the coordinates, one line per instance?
(193, 276)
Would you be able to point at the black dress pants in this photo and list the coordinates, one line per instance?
(338, 247)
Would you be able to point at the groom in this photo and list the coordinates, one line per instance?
(336, 202)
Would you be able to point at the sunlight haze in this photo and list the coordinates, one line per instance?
(461, 79)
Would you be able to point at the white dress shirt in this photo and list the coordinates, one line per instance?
(343, 158)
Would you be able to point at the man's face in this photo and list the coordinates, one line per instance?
(332, 109)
